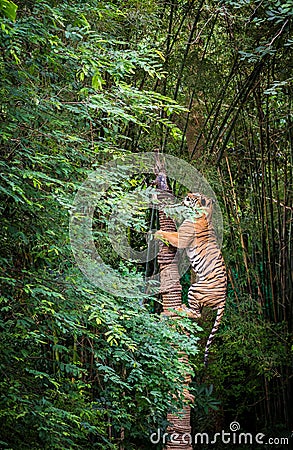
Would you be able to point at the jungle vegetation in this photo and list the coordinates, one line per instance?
(82, 84)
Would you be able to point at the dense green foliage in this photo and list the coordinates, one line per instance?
(75, 361)
(84, 82)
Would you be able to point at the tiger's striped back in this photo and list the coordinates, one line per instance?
(206, 260)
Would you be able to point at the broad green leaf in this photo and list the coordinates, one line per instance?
(8, 8)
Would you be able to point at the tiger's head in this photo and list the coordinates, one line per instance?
(199, 202)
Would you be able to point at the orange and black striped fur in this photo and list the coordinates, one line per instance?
(199, 238)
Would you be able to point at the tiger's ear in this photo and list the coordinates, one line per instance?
(212, 203)
(210, 207)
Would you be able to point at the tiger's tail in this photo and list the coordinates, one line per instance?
(220, 312)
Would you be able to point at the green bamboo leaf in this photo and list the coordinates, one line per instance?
(97, 81)
(8, 8)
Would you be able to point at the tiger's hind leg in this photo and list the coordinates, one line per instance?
(194, 305)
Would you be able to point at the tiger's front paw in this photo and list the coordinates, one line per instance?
(162, 237)
(158, 234)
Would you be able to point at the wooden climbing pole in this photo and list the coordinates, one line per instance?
(171, 291)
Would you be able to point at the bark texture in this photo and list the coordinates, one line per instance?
(171, 291)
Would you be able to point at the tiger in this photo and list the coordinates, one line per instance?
(198, 237)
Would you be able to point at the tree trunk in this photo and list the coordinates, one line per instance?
(171, 298)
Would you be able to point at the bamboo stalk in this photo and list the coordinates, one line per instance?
(236, 216)
(261, 119)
